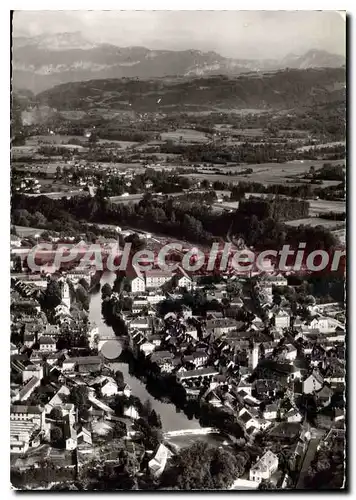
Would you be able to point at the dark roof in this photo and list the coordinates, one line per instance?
(30, 384)
(86, 360)
(196, 373)
(29, 337)
(325, 392)
(286, 429)
(161, 356)
(317, 375)
(283, 368)
(264, 385)
(47, 340)
(245, 417)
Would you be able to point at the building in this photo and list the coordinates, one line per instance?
(163, 359)
(69, 434)
(253, 357)
(24, 435)
(29, 340)
(65, 294)
(264, 467)
(159, 460)
(204, 373)
(108, 387)
(28, 389)
(84, 439)
(131, 412)
(313, 383)
(155, 278)
(293, 415)
(32, 371)
(270, 412)
(58, 399)
(140, 323)
(85, 364)
(290, 352)
(183, 279)
(25, 413)
(282, 319)
(47, 344)
(138, 285)
(139, 304)
(218, 327)
(323, 397)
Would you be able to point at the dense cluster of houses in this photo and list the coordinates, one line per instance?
(259, 370)
(43, 379)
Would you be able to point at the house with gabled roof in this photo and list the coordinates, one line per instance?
(264, 467)
(47, 344)
(313, 383)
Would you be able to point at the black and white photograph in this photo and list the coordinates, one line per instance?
(178, 192)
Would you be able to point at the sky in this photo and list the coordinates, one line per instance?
(237, 34)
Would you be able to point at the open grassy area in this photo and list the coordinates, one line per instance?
(320, 206)
(23, 231)
(186, 135)
(314, 221)
(266, 173)
(55, 140)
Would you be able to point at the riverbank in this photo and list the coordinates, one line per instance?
(172, 418)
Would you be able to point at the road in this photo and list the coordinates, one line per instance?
(316, 435)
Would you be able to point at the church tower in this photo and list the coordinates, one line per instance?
(65, 294)
(253, 357)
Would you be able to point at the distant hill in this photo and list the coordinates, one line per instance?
(44, 61)
(285, 89)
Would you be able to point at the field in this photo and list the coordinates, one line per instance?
(24, 232)
(186, 135)
(55, 139)
(120, 144)
(314, 221)
(320, 146)
(267, 173)
(316, 207)
(320, 206)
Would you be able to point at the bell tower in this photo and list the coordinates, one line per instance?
(253, 356)
(65, 294)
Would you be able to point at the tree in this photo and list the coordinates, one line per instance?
(56, 436)
(137, 243)
(106, 290)
(154, 419)
(83, 282)
(150, 436)
(52, 295)
(56, 414)
(79, 395)
(203, 467)
(266, 485)
(147, 408)
(17, 264)
(82, 296)
(119, 378)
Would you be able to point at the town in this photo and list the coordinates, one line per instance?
(255, 359)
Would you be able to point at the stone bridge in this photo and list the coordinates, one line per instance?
(109, 347)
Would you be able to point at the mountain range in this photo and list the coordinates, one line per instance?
(44, 61)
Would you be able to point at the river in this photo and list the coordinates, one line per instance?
(172, 419)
